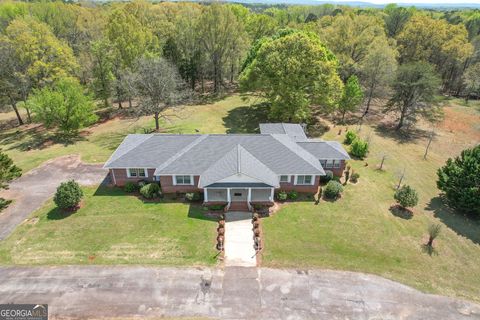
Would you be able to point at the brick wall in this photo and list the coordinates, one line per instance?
(119, 176)
(166, 182)
(338, 171)
(299, 188)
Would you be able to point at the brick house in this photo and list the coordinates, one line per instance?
(229, 168)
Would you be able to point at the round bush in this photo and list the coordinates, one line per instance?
(68, 195)
(327, 177)
(293, 195)
(282, 196)
(359, 148)
(150, 190)
(350, 137)
(130, 187)
(333, 190)
(406, 196)
(354, 177)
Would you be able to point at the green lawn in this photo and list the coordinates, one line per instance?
(114, 228)
(31, 145)
(360, 233)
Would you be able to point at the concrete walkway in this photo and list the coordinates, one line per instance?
(232, 293)
(35, 187)
(239, 250)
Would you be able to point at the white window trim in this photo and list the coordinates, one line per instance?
(174, 180)
(305, 184)
(137, 176)
(285, 175)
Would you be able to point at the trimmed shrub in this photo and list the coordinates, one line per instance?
(406, 196)
(130, 187)
(192, 196)
(150, 190)
(350, 137)
(333, 190)
(327, 177)
(282, 195)
(142, 183)
(359, 148)
(354, 177)
(335, 178)
(293, 195)
(68, 195)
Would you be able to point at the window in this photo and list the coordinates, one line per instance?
(284, 179)
(329, 163)
(304, 180)
(136, 172)
(183, 180)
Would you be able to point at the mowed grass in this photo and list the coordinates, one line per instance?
(114, 228)
(30, 145)
(359, 232)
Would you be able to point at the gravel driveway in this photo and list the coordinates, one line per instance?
(32, 189)
(230, 293)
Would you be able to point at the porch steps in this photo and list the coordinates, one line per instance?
(238, 206)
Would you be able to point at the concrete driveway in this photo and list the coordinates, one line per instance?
(233, 293)
(32, 189)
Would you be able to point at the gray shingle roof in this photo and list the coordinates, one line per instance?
(325, 149)
(294, 130)
(238, 161)
(148, 150)
(278, 154)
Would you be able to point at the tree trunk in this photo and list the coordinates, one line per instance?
(369, 99)
(402, 119)
(157, 125)
(14, 106)
(105, 102)
(29, 117)
(430, 242)
(343, 116)
(129, 102)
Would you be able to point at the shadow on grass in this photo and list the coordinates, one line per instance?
(430, 250)
(37, 138)
(59, 214)
(402, 136)
(401, 212)
(246, 119)
(464, 225)
(196, 211)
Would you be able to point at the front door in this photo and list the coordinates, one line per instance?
(239, 194)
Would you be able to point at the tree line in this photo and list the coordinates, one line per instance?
(59, 58)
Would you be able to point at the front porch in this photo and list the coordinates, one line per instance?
(249, 195)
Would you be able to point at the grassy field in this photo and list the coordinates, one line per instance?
(31, 145)
(359, 232)
(114, 228)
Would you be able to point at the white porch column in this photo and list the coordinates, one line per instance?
(249, 197)
(228, 195)
(205, 195)
(271, 194)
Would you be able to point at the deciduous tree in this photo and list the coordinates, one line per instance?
(414, 90)
(352, 96)
(294, 72)
(63, 105)
(159, 86)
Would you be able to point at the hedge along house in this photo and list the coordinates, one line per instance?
(232, 169)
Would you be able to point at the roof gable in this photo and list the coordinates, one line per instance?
(238, 161)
